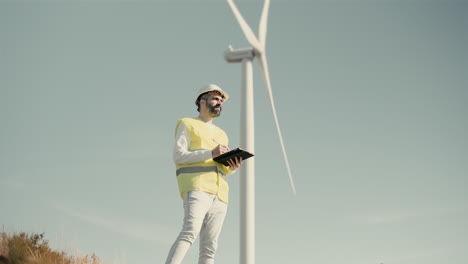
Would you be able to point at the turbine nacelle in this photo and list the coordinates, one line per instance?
(237, 55)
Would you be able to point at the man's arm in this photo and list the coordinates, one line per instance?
(181, 154)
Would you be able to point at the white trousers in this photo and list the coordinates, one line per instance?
(203, 214)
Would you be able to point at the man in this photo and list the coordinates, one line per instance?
(202, 182)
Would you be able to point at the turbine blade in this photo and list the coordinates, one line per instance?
(266, 77)
(262, 28)
(245, 27)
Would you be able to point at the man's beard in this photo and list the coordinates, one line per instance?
(215, 112)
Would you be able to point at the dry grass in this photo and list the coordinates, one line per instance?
(22, 248)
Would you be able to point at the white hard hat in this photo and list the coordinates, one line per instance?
(209, 88)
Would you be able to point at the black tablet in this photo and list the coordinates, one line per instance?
(238, 152)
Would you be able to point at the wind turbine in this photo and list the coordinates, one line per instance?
(247, 183)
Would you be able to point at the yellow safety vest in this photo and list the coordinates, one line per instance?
(208, 176)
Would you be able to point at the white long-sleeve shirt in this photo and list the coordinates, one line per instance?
(181, 153)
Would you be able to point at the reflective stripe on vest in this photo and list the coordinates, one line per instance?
(198, 169)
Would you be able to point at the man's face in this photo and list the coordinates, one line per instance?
(214, 104)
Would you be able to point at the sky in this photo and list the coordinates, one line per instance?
(371, 97)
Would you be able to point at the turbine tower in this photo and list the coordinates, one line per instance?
(247, 142)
